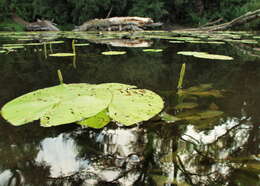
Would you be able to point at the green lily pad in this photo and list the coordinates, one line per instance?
(205, 55)
(207, 42)
(62, 54)
(176, 42)
(98, 121)
(54, 42)
(110, 53)
(2, 51)
(13, 47)
(245, 41)
(131, 106)
(57, 105)
(81, 44)
(152, 50)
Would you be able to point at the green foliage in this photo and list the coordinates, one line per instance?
(148, 8)
(74, 12)
(9, 25)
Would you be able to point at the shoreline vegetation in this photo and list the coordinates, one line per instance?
(174, 14)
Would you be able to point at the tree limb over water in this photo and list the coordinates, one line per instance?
(246, 18)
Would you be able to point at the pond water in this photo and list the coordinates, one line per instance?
(214, 142)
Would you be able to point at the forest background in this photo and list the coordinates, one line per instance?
(67, 13)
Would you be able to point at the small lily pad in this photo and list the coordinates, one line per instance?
(152, 50)
(81, 44)
(207, 42)
(54, 42)
(205, 55)
(62, 54)
(110, 53)
(176, 42)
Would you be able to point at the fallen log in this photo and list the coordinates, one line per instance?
(118, 24)
(39, 25)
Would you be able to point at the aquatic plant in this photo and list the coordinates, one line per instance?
(87, 104)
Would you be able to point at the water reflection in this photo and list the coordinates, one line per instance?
(223, 151)
(60, 154)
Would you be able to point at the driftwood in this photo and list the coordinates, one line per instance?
(39, 25)
(118, 24)
(246, 18)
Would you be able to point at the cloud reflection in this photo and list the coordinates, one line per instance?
(60, 153)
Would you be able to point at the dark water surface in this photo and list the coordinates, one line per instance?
(211, 150)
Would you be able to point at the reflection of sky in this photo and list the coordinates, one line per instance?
(120, 140)
(205, 141)
(195, 136)
(60, 153)
(4, 177)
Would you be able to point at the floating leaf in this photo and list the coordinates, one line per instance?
(13, 47)
(201, 87)
(186, 105)
(131, 106)
(2, 51)
(245, 41)
(168, 118)
(57, 105)
(98, 121)
(110, 53)
(205, 55)
(81, 44)
(215, 93)
(207, 42)
(54, 42)
(152, 50)
(176, 42)
(62, 54)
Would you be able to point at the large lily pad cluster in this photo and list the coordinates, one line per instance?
(87, 104)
